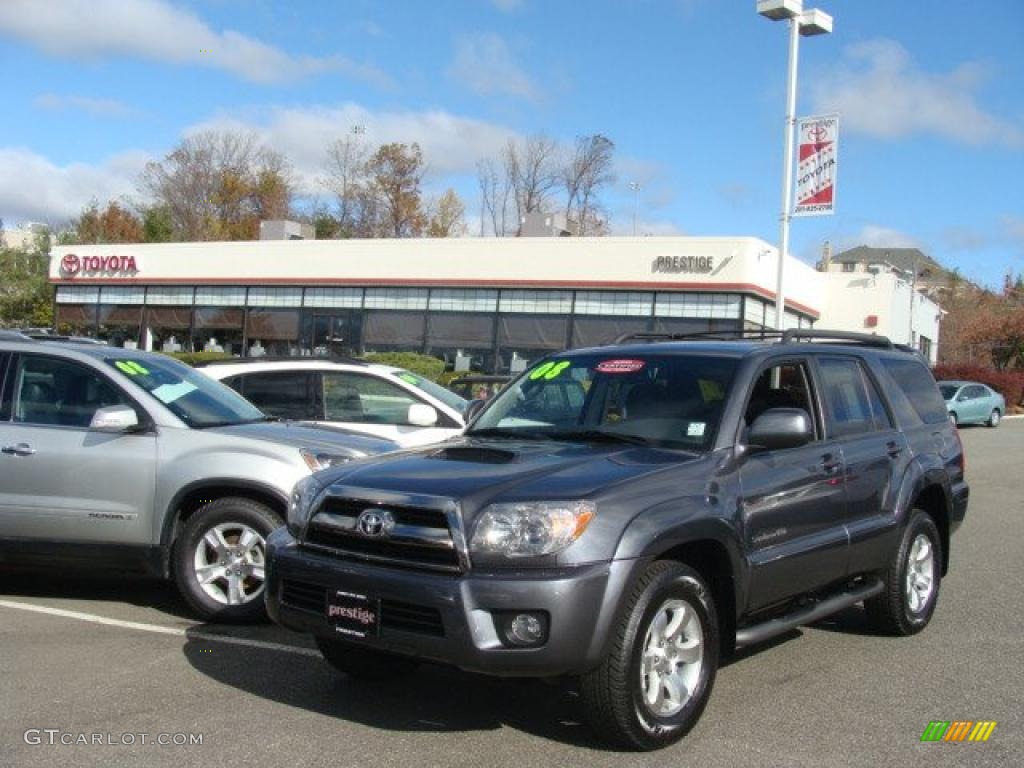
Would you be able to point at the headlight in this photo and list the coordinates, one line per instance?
(318, 461)
(530, 528)
(300, 504)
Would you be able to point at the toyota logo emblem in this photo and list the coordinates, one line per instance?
(817, 133)
(375, 522)
(70, 265)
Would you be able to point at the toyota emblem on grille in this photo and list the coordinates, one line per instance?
(375, 522)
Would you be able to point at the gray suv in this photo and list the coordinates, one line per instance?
(124, 459)
(627, 514)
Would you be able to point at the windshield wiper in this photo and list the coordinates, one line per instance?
(512, 434)
(598, 435)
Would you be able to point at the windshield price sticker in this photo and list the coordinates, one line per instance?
(620, 366)
(550, 370)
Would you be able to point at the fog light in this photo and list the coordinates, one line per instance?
(523, 629)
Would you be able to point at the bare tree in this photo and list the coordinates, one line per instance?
(588, 169)
(531, 169)
(346, 178)
(219, 185)
(495, 191)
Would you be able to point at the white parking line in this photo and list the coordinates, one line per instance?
(189, 633)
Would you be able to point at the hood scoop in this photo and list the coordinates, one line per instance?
(475, 454)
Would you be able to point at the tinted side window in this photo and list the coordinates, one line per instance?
(357, 398)
(878, 410)
(780, 386)
(58, 392)
(846, 401)
(918, 385)
(285, 394)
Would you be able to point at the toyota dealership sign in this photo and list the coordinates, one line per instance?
(818, 138)
(73, 265)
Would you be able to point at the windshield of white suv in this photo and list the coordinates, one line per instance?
(197, 400)
(670, 401)
(433, 389)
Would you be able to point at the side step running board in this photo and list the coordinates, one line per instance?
(808, 614)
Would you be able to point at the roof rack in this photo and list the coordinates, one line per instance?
(811, 334)
(723, 335)
(283, 359)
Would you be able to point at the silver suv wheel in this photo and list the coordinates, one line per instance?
(920, 574)
(229, 563)
(672, 657)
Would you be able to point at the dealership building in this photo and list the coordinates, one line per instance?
(488, 303)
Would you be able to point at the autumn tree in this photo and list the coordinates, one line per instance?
(394, 174)
(447, 216)
(219, 185)
(113, 224)
(26, 296)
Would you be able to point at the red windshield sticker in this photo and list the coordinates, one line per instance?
(620, 366)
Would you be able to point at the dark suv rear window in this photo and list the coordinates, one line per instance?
(920, 388)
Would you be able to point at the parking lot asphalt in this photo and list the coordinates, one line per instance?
(116, 658)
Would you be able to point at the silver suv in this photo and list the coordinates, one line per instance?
(125, 459)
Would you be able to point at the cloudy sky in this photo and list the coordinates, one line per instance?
(930, 98)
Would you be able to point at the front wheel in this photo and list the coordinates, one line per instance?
(993, 418)
(220, 559)
(954, 420)
(654, 683)
(912, 582)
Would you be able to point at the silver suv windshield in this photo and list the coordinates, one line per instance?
(669, 401)
(196, 399)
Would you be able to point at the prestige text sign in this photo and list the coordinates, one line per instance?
(683, 264)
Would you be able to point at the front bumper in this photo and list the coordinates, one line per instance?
(450, 618)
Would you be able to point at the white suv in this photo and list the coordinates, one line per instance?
(365, 397)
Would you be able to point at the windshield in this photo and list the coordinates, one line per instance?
(948, 390)
(436, 391)
(671, 401)
(196, 399)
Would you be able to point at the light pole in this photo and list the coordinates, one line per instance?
(806, 23)
(636, 186)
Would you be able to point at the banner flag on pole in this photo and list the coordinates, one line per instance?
(818, 139)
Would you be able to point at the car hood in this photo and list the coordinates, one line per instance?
(479, 472)
(314, 437)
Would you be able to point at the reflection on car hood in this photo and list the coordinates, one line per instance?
(315, 437)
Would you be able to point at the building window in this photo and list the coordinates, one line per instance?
(342, 298)
(849, 266)
(925, 345)
(166, 329)
(218, 329)
(76, 319)
(394, 331)
(463, 341)
(614, 303)
(460, 300)
(396, 298)
(272, 332)
(537, 302)
(710, 305)
(163, 294)
(122, 294)
(597, 331)
(275, 297)
(77, 294)
(220, 296)
(119, 326)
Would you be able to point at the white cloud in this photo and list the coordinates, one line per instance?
(451, 144)
(33, 188)
(484, 64)
(879, 91)
(53, 102)
(159, 31)
(875, 236)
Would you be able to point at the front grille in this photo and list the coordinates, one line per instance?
(420, 539)
(394, 614)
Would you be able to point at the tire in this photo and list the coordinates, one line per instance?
(954, 418)
(226, 540)
(365, 663)
(993, 418)
(615, 694)
(908, 601)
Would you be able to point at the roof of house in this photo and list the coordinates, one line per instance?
(905, 259)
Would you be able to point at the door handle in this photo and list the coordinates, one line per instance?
(19, 449)
(893, 448)
(830, 463)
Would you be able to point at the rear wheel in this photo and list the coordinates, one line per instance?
(993, 418)
(365, 663)
(912, 582)
(656, 680)
(220, 559)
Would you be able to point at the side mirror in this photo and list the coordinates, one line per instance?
(422, 415)
(115, 418)
(779, 428)
(473, 407)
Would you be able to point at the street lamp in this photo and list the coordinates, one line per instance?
(636, 186)
(806, 23)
